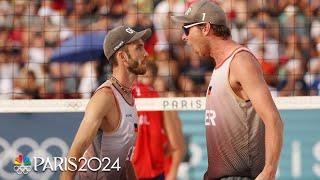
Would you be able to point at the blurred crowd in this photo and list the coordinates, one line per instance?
(284, 35)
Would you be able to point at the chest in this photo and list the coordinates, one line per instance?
(122, 116)
(224, 83)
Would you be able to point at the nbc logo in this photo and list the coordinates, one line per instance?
(22, 164)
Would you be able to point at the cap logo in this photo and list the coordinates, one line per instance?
(118, 46)
(203, 16)
(188, 11)
(129, 30)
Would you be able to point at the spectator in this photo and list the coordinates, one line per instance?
(187, 87)
(46, 8)
(30, 88)
(270, 70)
(293, 19)
(195, 70)
(313, 75)
(6, 84)
(4, 36)
(280, 33)
(161, 22)
(293, 82)
(235, 11)
(88, 82)
(168, 67)
(315, 24)
(161, 86)
(37, 56)
(261, 36)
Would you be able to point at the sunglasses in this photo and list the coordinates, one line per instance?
(186, 27)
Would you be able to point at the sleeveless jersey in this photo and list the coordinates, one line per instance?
(234, 131)
(115, 145)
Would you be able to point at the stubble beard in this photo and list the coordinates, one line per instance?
(136, 68)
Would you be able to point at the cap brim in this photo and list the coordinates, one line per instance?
(144, 35)
(180, 19)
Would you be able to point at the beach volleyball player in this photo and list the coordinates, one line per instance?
(244, 132)
(108, 129)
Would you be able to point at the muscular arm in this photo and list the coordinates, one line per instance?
(247, 72)
(97, 108)
(173, 130)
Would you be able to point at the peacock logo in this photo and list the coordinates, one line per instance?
(22, 164)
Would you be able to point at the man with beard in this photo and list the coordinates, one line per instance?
(108, 129)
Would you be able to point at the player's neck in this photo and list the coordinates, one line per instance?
(124, 79)
(221, 49)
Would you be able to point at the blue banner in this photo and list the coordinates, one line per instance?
(35, 134)
(51, 134)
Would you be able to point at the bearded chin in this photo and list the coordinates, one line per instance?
(136, 69)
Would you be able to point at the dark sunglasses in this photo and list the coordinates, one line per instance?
(186, 27)
(185, 30)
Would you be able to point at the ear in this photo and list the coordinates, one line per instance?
(206, 29)
(123, 57)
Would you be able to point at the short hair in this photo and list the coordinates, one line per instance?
(221, 31)
(113, 59)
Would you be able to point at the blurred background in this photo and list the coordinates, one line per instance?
(52, 49)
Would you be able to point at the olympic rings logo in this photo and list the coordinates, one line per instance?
(74, 105)
(22, 169)
(10, 151)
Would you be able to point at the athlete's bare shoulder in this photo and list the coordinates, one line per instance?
(244, 58)
(101, 103)
(245, 63)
